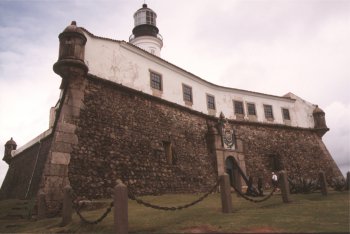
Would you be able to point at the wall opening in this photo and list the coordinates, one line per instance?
(276, 163)
(168, 151)
(233, 172)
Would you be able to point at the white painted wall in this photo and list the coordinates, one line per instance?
(126, 64)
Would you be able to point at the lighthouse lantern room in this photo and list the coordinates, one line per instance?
(145, 33)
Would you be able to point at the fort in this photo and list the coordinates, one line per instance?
(126, 113)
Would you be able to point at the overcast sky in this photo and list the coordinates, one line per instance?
(274, 47)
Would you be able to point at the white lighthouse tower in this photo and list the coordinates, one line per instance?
(145, 33)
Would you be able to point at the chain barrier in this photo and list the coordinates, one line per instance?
(173, 208)
(77, 207)
(102, 217)
(254, 200)
(131, 196)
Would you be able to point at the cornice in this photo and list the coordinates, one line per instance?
(162, 62)
(191, 111)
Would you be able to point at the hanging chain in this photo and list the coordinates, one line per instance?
(254, 200)
(82, 218)
(173, 208)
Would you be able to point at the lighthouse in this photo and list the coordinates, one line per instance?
(145, 33)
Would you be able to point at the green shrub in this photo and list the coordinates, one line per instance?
(338, 184)
(302, 185)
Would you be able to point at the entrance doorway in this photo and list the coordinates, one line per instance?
(232, 169)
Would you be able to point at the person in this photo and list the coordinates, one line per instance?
(274, 180)
(251, 190)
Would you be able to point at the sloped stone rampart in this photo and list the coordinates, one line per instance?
(295, 150)
(25, 171)
(122, 135)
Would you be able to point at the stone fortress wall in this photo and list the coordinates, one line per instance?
(25, 171)
(106, 129)
(124, 134)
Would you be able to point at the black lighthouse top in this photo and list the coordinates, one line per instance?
(145, 22)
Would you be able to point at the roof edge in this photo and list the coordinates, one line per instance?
(172, 66)
(37, 139)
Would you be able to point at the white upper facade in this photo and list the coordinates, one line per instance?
(125, 64)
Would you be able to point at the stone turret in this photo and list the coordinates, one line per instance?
(9, 146)
(73, 70)
(71, 53)
(320, 121)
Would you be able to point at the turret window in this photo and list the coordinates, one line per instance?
(156, 81)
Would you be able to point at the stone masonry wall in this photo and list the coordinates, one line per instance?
(122, 134)
(20, 180)
(298, 151)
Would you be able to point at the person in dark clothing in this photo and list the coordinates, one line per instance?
(251, 190)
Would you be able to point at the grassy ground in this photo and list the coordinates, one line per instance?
(306, 213)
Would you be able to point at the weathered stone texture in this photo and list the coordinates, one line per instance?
(20, 180)
(297, 150)
(121, 135)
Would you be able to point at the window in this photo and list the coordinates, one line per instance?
(156, 80)
(210, 102)
(145, 17)
(150, 18)
(140, 18)
(268, 112)
(285, 113)
(187, 93)
(238, 106)
(251, 109)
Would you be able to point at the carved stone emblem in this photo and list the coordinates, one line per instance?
(227, 133)
(228, 136)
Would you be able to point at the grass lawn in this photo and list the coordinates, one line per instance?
(306, 213)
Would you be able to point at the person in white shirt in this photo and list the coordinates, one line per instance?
(274, 180)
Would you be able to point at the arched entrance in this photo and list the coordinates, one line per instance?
(233, 172)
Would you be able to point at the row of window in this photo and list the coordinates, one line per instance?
(238, 106)
(239, 110)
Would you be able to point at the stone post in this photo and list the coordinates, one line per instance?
(323, 183)
(284, 185)
(67, 209)
(41, 206)
(121, 208)
(347, 187)
(226, 200)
